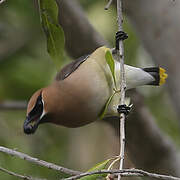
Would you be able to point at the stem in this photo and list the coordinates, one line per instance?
(122, 85)
(125, 173)
(38, 161)
(108, 4)
(18, 175)
(13, 105)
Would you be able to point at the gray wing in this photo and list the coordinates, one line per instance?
(70, 68)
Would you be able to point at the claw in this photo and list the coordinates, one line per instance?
(124, 109)
(120, 35)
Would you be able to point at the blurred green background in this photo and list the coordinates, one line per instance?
(25, 67)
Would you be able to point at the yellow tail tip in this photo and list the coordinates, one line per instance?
(163, 76)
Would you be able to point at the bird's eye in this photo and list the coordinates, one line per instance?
(39, 102)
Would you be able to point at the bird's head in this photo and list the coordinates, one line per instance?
(43, 107)
(35, 112)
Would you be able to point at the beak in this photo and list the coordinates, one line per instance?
(31, 124)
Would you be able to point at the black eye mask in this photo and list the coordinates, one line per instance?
(38, 108)
(33, 119)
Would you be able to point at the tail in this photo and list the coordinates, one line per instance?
(158, 74)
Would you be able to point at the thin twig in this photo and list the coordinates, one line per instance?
(125, 173)
(108, 4)
(113, 162)
(38, 161)
(13, 105)
(18, 175)
(122, 85)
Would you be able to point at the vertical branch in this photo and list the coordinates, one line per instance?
(122, 85)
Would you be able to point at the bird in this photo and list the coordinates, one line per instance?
(78, 94)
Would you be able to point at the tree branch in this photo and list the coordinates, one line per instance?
(82, 31)
(156, 23)
(122, 86)
(147, 146)
(19, 175)
(108, 5)
(38, 161)
(13, 105)
(126, 173)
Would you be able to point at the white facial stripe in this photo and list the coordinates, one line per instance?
(44, 112)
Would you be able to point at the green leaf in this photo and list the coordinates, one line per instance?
(106, 106)
(53, 31)
(111, 64)
(97, 167)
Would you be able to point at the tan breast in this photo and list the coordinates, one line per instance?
(88, 88)
(85, 92)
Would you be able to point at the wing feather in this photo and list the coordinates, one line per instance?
(70, 68)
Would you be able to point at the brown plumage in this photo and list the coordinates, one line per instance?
(80, 91)
(70, 99)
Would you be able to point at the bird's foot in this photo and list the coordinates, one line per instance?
(124, 109)
(120, 35)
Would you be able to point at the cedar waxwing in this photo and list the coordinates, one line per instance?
(79, 93)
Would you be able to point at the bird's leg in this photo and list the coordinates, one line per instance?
(124, 109)
(120, 35)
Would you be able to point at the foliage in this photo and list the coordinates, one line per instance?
(52, 30)
(111, 64)
(97, 167)
(106, 106)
